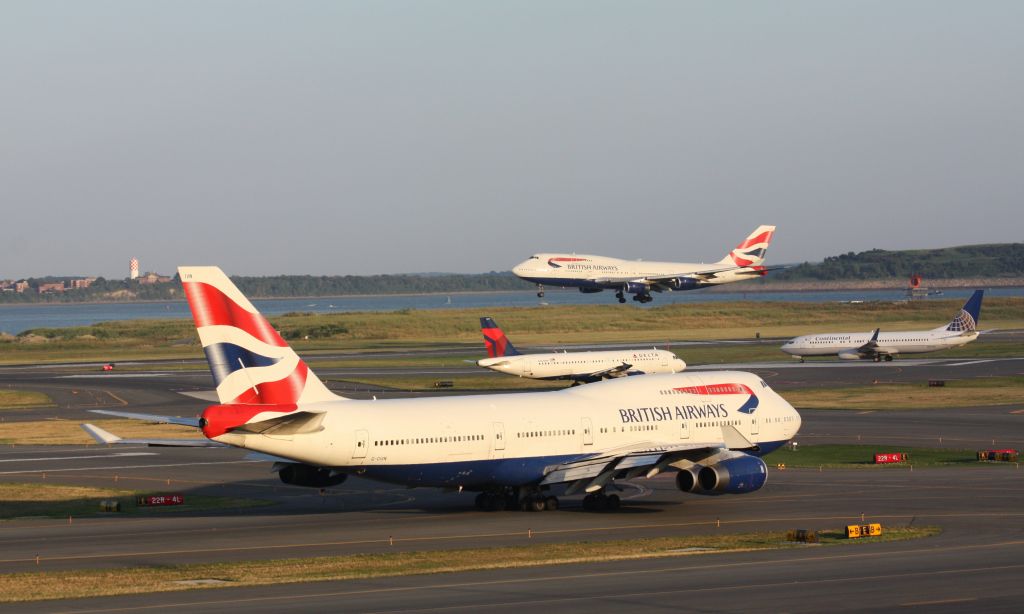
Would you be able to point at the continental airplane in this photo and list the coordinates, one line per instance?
(962, 329)
(580, 367)
(597, 273)
(515, 450)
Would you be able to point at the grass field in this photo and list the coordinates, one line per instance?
(13, 399)
(551, 325)
(69, 432)
(93, 583)
(60, 501)
(886, 397)
(862, 456)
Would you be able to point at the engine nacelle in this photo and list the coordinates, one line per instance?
(684, 283)
(634, 287)
(307, 475)
(686, 479)
(738, 475)
(591, 290)
(850, 355)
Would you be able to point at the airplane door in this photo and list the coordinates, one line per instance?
(753, 425)
(684, 429)
(587, 427)
(528, 366)
(359, 449)
(499, 438)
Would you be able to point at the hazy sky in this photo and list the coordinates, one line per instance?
(386, 137)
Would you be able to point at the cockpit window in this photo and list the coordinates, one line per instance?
(534, 257)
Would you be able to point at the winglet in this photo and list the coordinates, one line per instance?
(734, 440)
(100, 435)
(874, 336)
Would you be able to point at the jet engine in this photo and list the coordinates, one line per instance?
(307, 475)
(591, 290)
(634, 287)
(686, 479)
(738, 475)
(849, 355)
(683, 283)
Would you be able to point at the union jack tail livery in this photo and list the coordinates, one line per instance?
(494, 338)
(752, 250)
(250, 362)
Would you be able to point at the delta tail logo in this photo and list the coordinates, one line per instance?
(748, 407)
(753, 249)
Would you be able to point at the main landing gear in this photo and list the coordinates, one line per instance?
(540, 290)
(642, 298)
(509, 499)
(600, 502)
(620, 296)
(880, 357)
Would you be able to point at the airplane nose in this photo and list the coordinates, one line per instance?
(679, 365)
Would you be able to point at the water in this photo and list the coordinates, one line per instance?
(17, 318)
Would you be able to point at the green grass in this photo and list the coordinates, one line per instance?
(843, 456)
(13, 399)
(61, 500)
(994, 391)
(149, 579)
(551, 325)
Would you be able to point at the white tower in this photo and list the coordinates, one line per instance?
(133, 268)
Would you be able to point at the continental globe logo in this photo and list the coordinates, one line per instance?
(963, 322)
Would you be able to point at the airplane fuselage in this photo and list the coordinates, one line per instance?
(581, 365)
(902, 342)
(483, 441)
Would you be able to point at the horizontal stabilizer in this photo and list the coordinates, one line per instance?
(107, 438)
(193, 422)
(297, 423)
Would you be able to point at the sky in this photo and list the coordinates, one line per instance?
(337, 138)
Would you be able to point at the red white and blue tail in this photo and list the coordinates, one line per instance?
(250, 362)
(751, 252)
(495, 340)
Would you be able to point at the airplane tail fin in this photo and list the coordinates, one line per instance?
(752, 250)
(966, 320)
(495, 340)
(250, 362)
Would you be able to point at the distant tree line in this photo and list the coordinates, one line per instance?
(995, 260)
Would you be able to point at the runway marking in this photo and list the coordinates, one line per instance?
(294, 594)
(969, 362)
(129, 467)
(911, 604)
(56, 458)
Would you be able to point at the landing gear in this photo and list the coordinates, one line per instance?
(619, 295)
(511, 499)
(600, 502)
(540, 290)
(643, 298)
(877, 358)
(888, 358)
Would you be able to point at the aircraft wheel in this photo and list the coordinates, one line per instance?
(537, 505)
(622, 300)
(588, 502)
(888, 358)
(551, 504)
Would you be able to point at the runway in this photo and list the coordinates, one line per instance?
(972, 565)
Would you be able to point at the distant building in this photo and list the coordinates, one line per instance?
(78, 284)
(153, 278)
(133, 268)
(52, 287)
(20, 286)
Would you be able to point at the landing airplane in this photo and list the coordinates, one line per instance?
(513, 449)
(880, 346)
(580, 367)
(596, 273)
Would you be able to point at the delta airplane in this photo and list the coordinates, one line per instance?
(883, 346)
(580, 367)
(596, 273)
(514, 449)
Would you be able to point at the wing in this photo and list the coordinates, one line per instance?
(591, 473)
(871, 347)
(108, 438)
(616, 371)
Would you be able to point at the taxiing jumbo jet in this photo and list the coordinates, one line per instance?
(514, 449)
(580, 367)
(639, 278)
(883, 346)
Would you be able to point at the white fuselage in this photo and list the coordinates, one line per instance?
(588, 271)
(580, 365)
(901, 342)
(508, 439)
